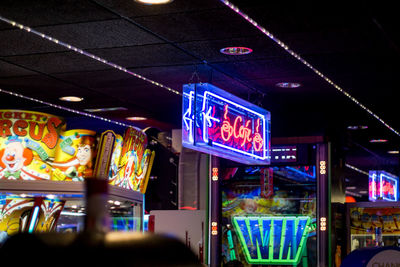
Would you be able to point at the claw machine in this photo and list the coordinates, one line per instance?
(276, 214)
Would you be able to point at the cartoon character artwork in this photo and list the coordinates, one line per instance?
(13, 157)
(75, 155)
(127, 171)
(135, 161)
(113, 173)
(143, 174)
(17, 162)
(27, 144)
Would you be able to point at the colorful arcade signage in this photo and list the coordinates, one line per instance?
(272, 239)
(37, 146)
(383, 186)
(224, 125)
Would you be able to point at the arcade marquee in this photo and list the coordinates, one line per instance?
(43, 165)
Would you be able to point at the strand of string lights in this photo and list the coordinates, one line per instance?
(85, 53)
(65, 108)
(307, 64)
(356, 169)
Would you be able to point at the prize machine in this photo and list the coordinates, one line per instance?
(267, 205)
(375, 223)
(43, 166)
(271, 215)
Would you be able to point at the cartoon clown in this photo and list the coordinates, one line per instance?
(13, 158)
(127, 170)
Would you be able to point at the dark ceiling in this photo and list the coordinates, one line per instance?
(355, 44)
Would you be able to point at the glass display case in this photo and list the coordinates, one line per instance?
(43, 206)
(269, 214)
(373, 224)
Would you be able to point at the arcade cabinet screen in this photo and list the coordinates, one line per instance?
(269, 215)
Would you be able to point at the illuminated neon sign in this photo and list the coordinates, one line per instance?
(272, 240)
(221, 124)
(383, 186)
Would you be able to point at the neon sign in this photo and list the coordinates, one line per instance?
(383, 186)
(272, 240)
(224, 125)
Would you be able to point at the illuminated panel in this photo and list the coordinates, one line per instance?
(221, 124)
(372, 185)
(383, 186)
(272, 240)
(281, 154)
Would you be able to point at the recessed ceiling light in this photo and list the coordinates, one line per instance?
(136, 118)
(393, 152)
(71, 98)
(104, 109)
(154, 2)
(236, 50)
(288, 85)
(357, 127)
(350, 187)
(378, 141)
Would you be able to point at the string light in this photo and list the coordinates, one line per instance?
(66, 109)
(356, 169)
(80, 51)
(302, 60)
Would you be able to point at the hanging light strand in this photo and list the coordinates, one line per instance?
(85, 53)
(307, 64)
(66, 109)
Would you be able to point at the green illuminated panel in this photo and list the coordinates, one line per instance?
(272, 239)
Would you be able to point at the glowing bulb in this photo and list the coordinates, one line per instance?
(71, 98)
(154, 2)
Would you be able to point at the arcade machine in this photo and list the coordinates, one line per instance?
(375, 223)
(43, 165)
(267, 205)
(270, 213)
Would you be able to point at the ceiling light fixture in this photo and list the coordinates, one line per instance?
(393, 152)
(236, 50)
(288, 85)
(71, 98)
(154, 2)
(136, 118)
(357, 127)
(306, 63)
(378, 141)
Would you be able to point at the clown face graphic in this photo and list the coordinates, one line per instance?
(13, 157)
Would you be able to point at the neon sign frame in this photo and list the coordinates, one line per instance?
(273, 239)
(377, 181)
(221, 124)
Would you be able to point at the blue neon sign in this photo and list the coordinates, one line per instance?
(383, 186)
(221, 124)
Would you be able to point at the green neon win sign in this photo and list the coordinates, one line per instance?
(272, 240)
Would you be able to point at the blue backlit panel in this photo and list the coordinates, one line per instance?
(383, 186)
(221, 124)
